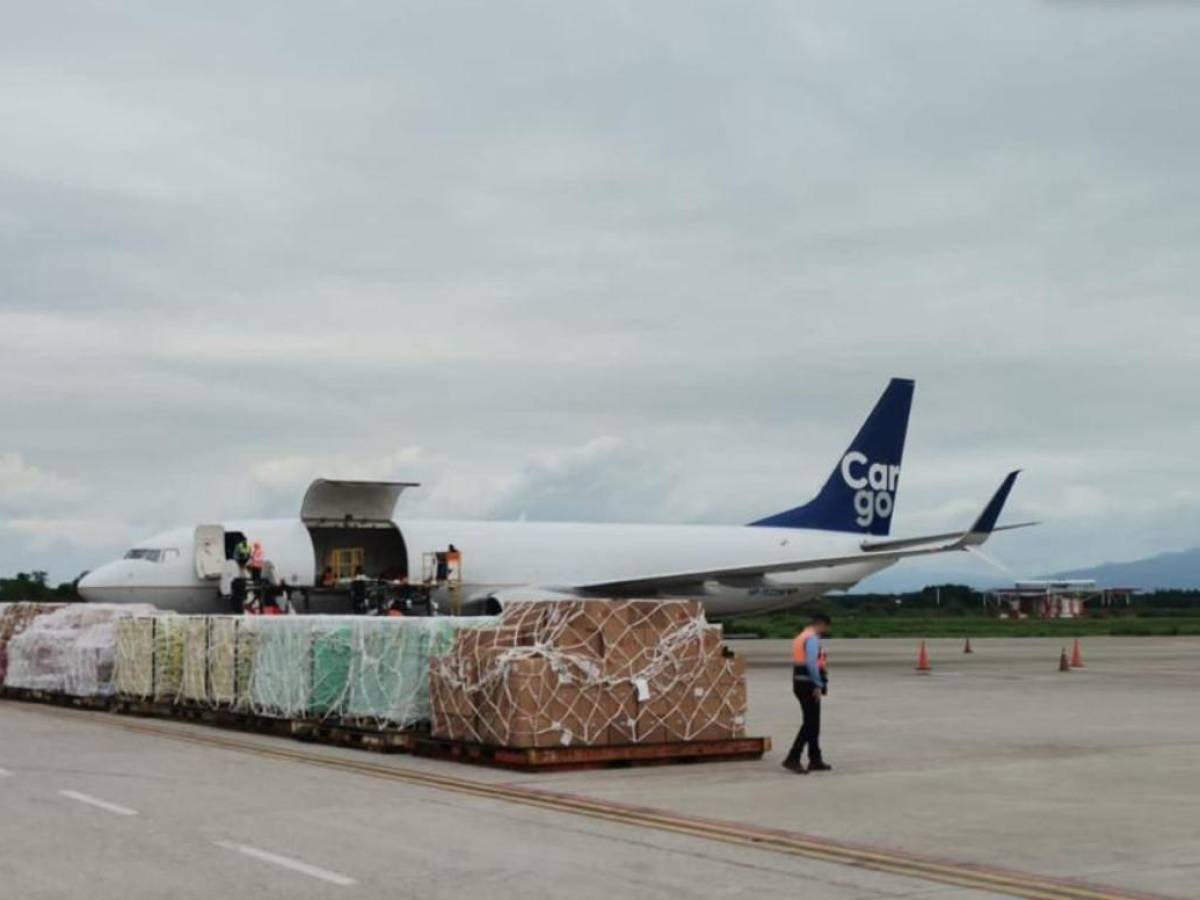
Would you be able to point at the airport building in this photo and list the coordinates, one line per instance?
(1054, 599)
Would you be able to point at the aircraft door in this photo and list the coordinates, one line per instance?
(210, 551)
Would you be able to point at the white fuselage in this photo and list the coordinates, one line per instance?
(507, 556)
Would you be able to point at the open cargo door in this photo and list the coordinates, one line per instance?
(366, 503)
(210, 550)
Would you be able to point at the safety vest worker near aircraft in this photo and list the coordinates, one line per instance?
(809, 682)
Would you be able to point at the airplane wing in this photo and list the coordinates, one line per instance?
(890, 550)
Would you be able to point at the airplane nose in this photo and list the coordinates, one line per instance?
(85, 585)
(91, 586)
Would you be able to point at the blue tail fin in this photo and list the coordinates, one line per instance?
(861, 493)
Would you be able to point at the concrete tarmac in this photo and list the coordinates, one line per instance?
(995, 759)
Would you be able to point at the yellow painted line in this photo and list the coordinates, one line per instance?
(983, 878)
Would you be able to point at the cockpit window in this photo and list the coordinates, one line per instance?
(152, 555)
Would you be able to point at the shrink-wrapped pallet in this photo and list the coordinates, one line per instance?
(562, 673)
(228, 653)
(193, 686)
(281, 681)
(134, 675)
(372, 671)
(14, 619)
(331, 656)
(245, 646)
(169, 634)
(70, 651)
(389, 675)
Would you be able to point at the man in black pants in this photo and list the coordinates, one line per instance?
(809, 683)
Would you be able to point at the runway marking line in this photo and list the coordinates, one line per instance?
(896, 862)
(287, 862)
(115, 808)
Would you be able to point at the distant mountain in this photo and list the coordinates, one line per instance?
(1167, 570)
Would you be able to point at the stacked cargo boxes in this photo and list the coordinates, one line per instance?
(592, 673)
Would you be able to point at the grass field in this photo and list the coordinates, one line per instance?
(933, 626)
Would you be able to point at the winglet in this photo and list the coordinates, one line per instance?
(986, 523)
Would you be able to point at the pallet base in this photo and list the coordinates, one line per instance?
(219, 717)
(359, 738)
(420, 743)
(29, 695)
(613, 756)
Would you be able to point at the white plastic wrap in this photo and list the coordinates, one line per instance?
(15, 618)
(69, 651)
(371, 672)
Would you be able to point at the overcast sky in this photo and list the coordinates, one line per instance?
(624, 261)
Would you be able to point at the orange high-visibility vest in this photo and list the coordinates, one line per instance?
(798, 645)
(822, 660)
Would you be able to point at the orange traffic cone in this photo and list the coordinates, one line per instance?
(1077, 656)
(923, 660)
(1063, 665)
(967, 647)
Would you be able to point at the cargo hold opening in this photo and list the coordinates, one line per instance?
(350, 524)
(379, 550)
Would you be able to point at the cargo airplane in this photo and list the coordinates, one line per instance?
(830, 543)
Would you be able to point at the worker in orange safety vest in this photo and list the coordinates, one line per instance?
(810, 681)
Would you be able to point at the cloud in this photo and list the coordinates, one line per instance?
(597, 262)
(66, 534)
(24, 486)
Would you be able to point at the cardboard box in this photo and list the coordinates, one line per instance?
(470, 643)
(621, 711)
(697, 650)
(536, 702)
(528, 618)
(630, 652)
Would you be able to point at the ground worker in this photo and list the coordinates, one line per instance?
(358, 591)
(809, 683)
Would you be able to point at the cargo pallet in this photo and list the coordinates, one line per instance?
(218, 716)
(319, 731)
(31, 695)
(342, 735)
(539, 759)
(362, 736)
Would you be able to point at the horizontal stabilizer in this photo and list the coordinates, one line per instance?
(889, 550)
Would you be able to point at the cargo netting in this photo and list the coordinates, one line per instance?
(590, 672)
(69, 651)
(366, 671)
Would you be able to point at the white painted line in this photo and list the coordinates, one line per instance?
(4, 773)
(98, 803)
(294, 864)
